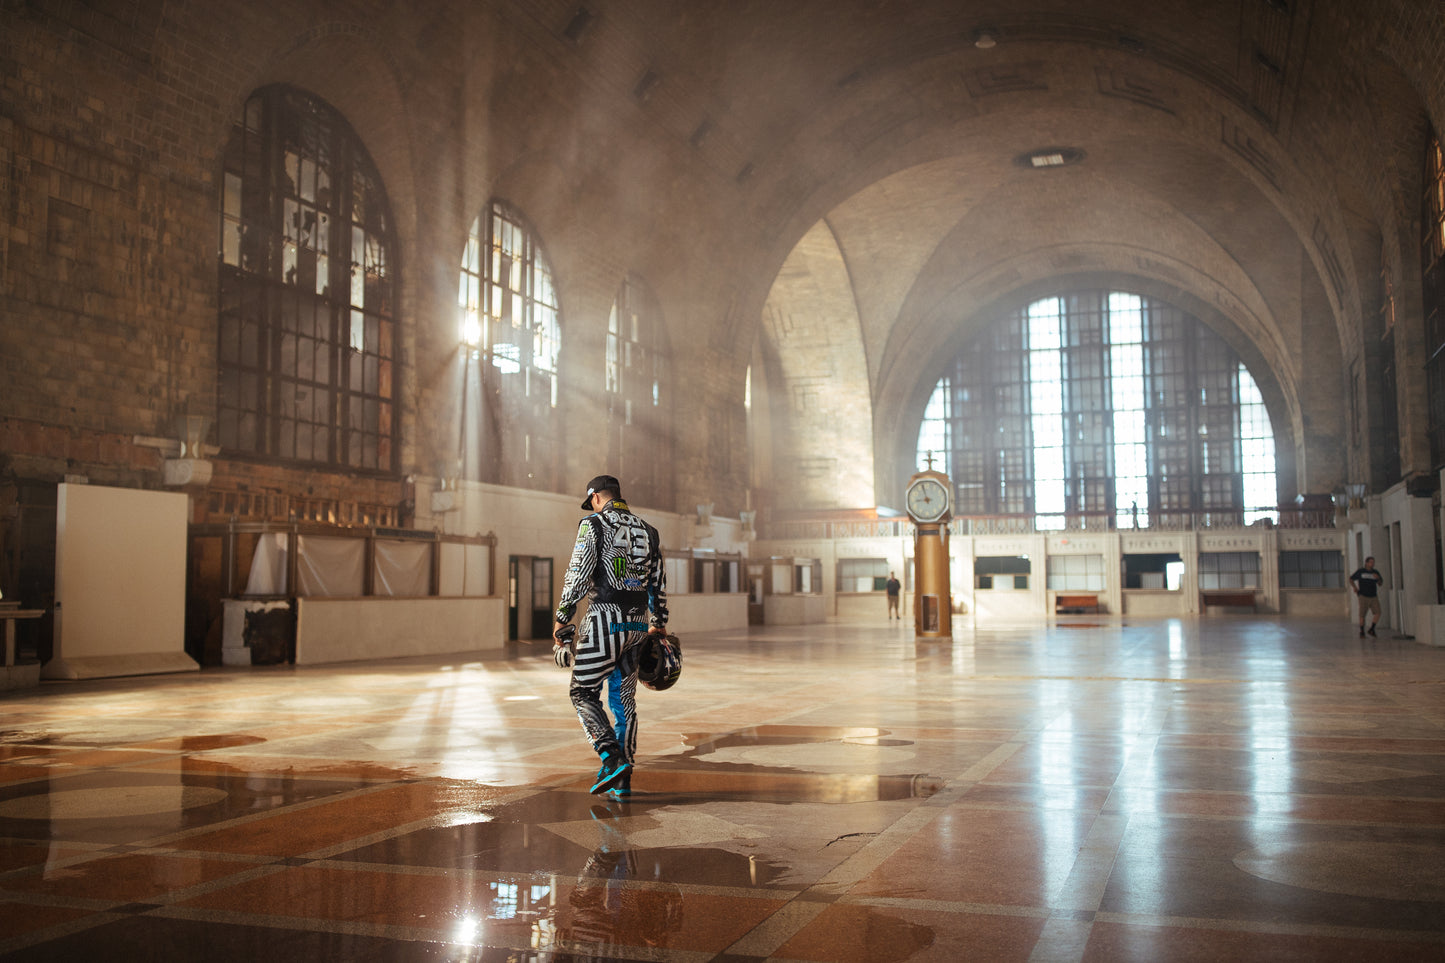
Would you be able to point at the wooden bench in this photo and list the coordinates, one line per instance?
(1075, 604)
(1229, 598)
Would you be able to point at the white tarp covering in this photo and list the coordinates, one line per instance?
(268, 566)
(403, 568)
(330, 566)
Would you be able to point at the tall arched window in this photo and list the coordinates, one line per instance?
(307, 328)
(1102, 409)
(510, 321)
(638, 425)
(1432, 272)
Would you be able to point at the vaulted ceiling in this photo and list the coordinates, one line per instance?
(1254, 161)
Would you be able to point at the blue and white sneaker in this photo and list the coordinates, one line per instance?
(612, 770)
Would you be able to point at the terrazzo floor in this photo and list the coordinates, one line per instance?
(1213, 789)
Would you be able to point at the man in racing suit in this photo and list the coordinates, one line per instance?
(617, 565)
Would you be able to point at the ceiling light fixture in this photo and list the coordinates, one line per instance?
(985, 38)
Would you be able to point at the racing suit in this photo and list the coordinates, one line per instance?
(617, 565)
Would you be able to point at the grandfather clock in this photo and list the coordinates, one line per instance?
(930, 506)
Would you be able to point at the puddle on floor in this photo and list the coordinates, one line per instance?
(784, 782)
(574, 834)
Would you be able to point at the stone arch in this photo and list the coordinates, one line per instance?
(811, 328)
(352, 70)
(865, 131)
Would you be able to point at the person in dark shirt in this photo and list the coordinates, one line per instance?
(891, 587)
(1367, 582)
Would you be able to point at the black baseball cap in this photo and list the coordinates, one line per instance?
(602, 483)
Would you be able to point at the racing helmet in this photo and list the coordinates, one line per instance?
(659, 662)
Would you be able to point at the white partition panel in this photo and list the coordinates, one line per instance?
(479, 571)
(349, 630)
(794, 609)
(452, 576)
(120, 583)
(690, 614)
(465, 570)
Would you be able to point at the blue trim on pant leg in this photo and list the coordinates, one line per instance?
(628, 697)
(620, 714)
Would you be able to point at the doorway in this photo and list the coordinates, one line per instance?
(529, 597)
(757, 586)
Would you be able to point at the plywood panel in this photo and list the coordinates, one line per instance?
(120, 582)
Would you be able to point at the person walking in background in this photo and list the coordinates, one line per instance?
(892, 587)
(1367, 582)
(617, 565)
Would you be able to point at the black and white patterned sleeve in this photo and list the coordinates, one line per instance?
(579, 572)
(657, 586)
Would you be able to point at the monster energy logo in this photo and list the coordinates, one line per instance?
(619, 566)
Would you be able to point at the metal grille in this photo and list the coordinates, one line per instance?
(1151, 404)
(1432, 269)
(307, 337)
(510, 320)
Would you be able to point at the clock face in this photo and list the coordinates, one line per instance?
(927, 500)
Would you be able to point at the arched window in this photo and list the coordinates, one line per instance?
(510, 322)
(1432, 272)
(307, 328)
(638, 425)
(1102, 409)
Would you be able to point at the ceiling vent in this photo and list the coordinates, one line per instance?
(1046, 157)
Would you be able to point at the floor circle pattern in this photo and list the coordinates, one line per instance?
(1376, 870)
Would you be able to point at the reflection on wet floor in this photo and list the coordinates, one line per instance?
(728, 778)
(1214, 790)
(560, 832)
(741, 783)
(886, 937)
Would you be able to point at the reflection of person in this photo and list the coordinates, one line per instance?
(617, 564)
(1367, 582)
(608, 913)
(892, 587)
